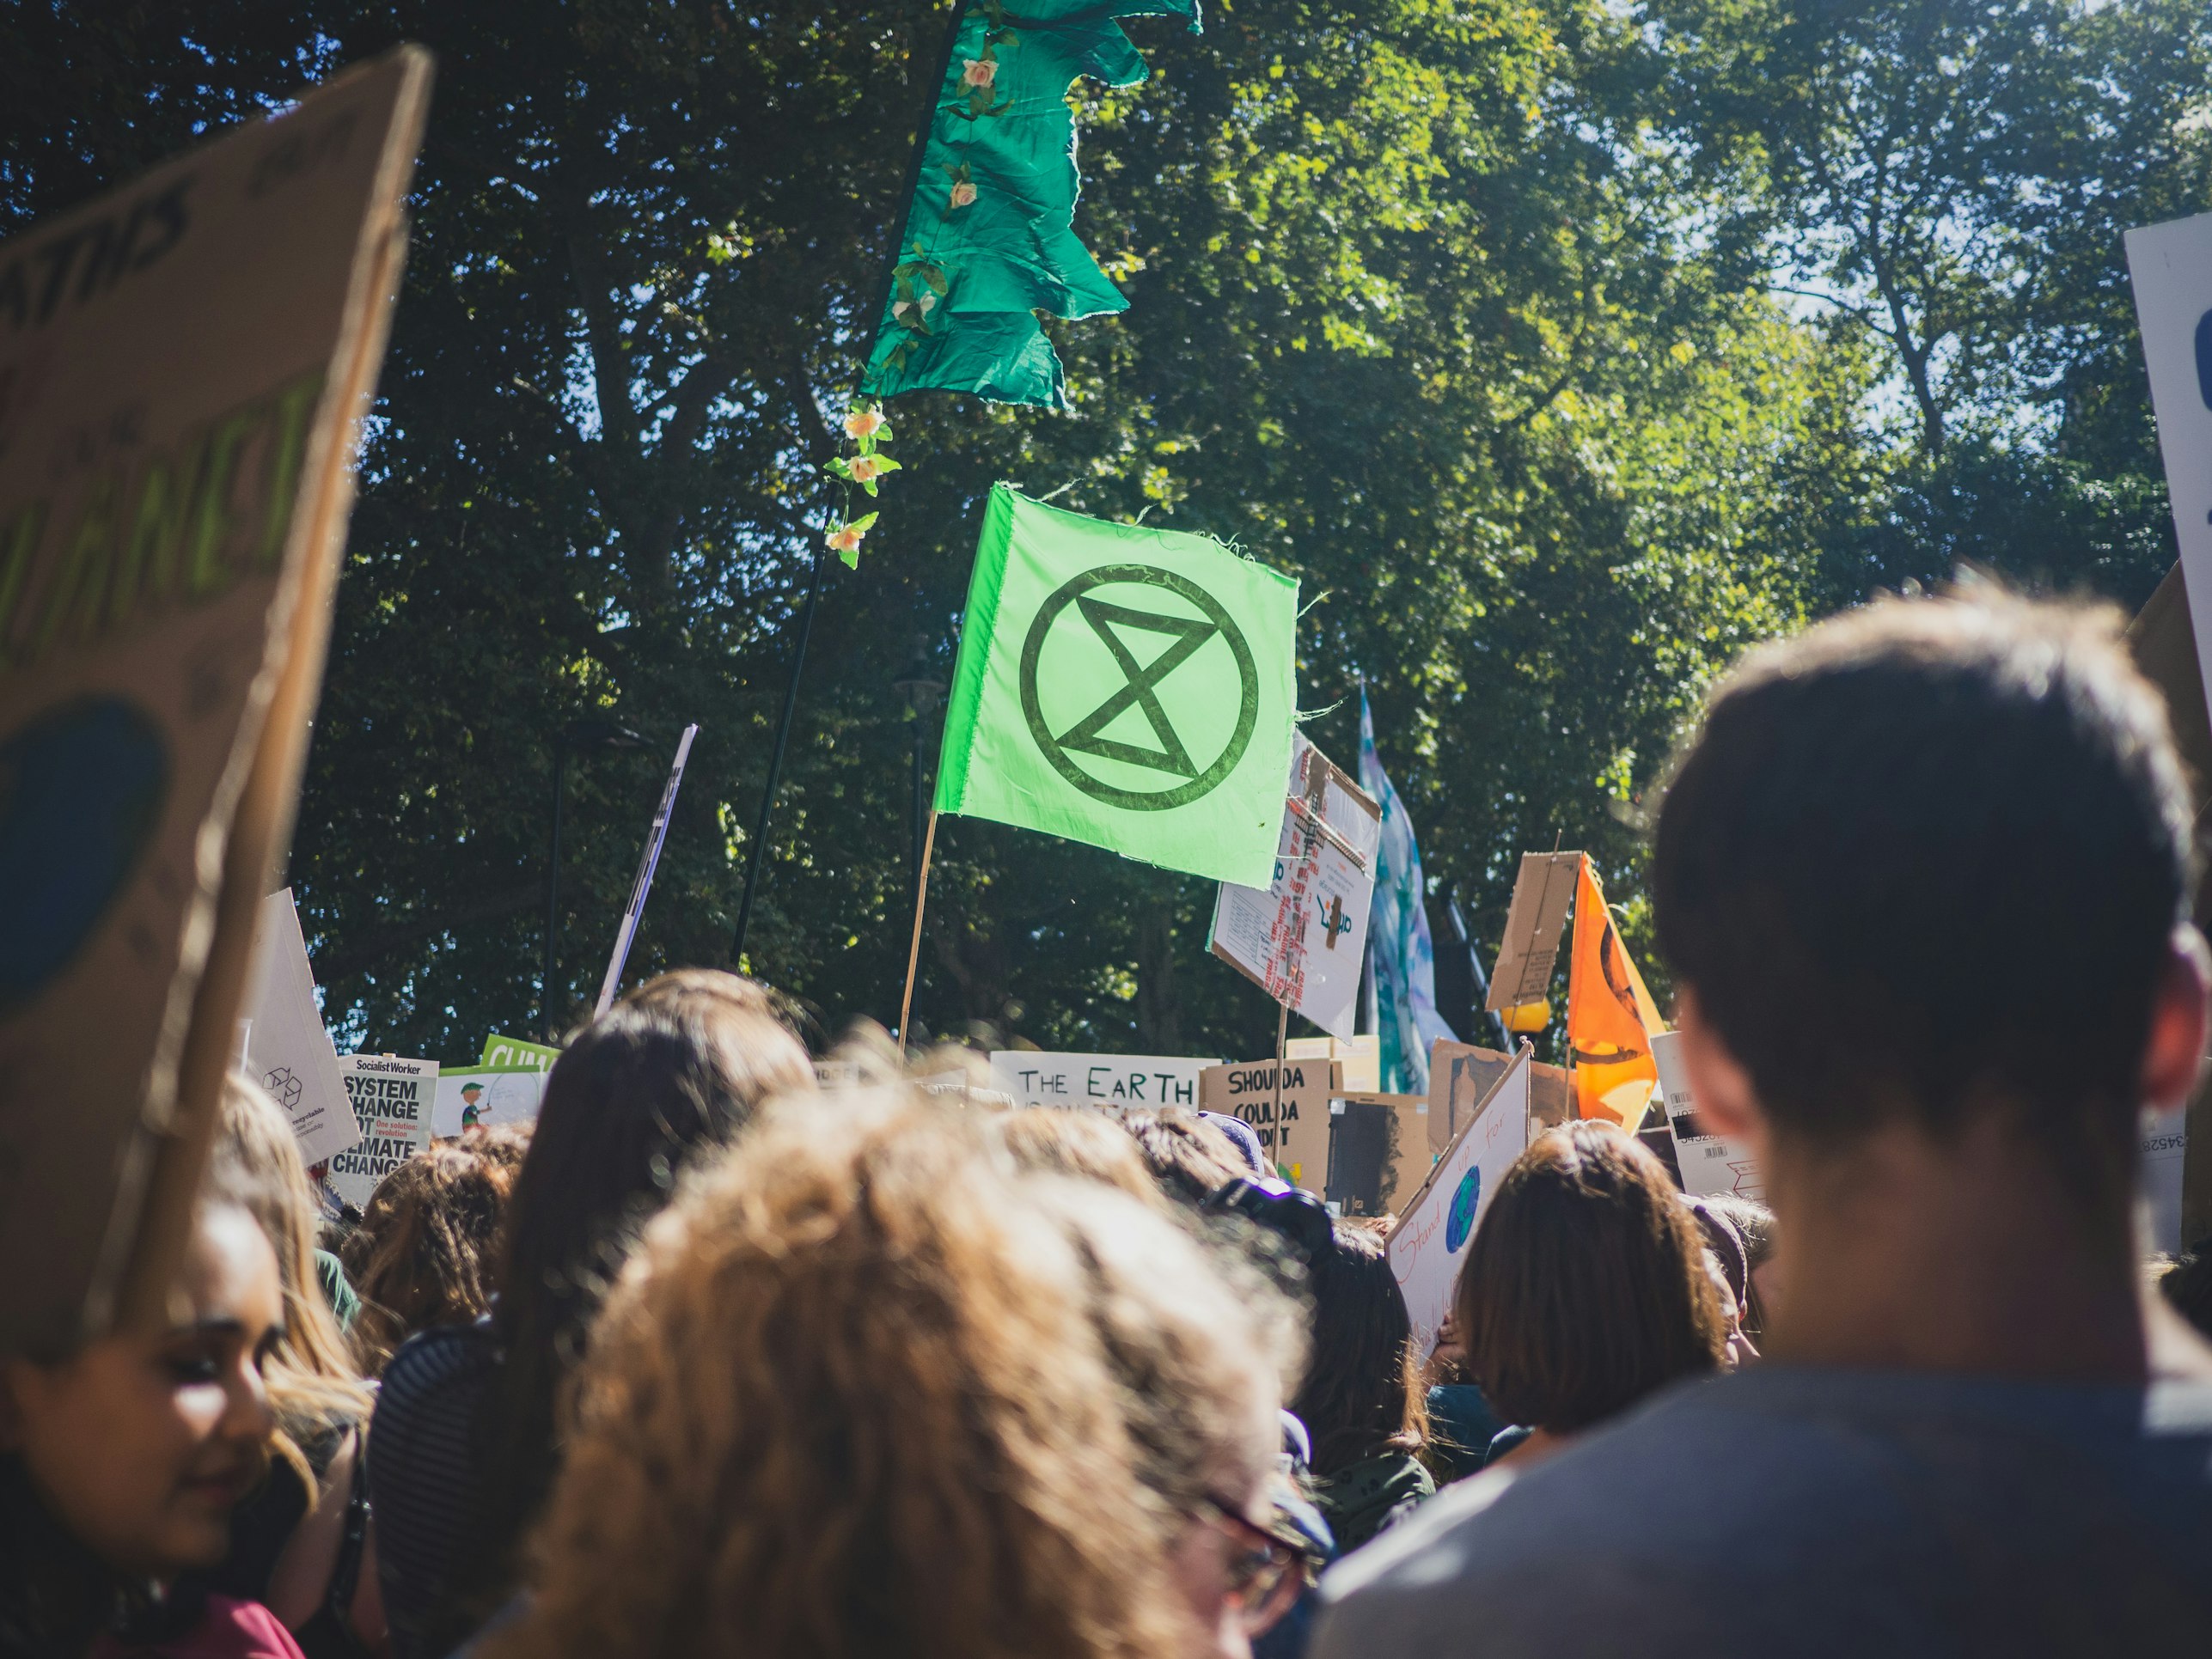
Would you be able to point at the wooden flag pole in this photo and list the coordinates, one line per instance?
(914, 950)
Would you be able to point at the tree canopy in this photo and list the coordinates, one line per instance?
(1560, 349)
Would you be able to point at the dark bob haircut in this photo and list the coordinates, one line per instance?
(1585, 1288)
(1926, 858)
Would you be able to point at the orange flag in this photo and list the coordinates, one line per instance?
(1610, 1015)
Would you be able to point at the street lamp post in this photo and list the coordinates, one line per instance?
(922, 692)
(578, 736)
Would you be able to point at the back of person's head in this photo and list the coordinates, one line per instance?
(1189, 1157)
(1929, 857)
(1077, 1141)
(849, 1401)
(1584, 1286)
(314, 1385)
(426, 1251)
(1362, 1393)
(672, 1071)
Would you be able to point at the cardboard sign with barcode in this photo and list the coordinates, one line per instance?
(184, 364)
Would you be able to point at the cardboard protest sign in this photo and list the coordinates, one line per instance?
(1530, 947)
(1359, 1060)
(288, 1049)
(1710, 1163)
(1378, 1151)
(1301, 939)
(515, 1052)
(1461, 1077)
(479, 1096)
(391, 1100)
(1119, 1081)
(1293, 1126)
(2170, 266)
(1430, 1239)
(184, 362)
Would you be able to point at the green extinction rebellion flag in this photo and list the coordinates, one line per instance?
(1128, 687)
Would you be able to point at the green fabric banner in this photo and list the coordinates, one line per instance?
(989, 236)
(1128, 687)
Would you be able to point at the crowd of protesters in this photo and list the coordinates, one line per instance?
(718, 1360)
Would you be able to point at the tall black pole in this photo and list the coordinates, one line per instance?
(932, 89)
(776, 757)
(553, 886)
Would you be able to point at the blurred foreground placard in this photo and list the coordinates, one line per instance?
(184, 363)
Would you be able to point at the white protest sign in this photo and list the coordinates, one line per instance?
(1301, 939)
(1120, 1082)
(2164, 1143)
(2171, 266)
(646, 865)
(1430, 1239)
(392, 1099)
(288, 1052)
(1710, 1163)
(479, 1096)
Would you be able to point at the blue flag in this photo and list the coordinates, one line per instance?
(1400, 956)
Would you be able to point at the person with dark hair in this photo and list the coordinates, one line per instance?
(1924, 883)
(1361, 1401)
(1584, 1289)
(463, 1448)
(123, 1462)
(1753, 1224)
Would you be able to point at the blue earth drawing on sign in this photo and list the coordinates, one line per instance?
(1460, 1221)
(80, 792)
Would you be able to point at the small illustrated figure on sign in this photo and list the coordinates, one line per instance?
(471, 1095)
(1333, 922)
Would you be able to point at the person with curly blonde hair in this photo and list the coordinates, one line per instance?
(854, 1397)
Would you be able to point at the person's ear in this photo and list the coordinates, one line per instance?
(1719, 1089)
(2173, 1052)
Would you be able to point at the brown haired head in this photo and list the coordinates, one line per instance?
(1929, 857)
(427, 1249)
(1078, 1141)
(1584, 1287)
(1189, 1158)
(847, 1401)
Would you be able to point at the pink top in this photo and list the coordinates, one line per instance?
(226, 1630)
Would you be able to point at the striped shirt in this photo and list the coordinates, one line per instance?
(422, 1481)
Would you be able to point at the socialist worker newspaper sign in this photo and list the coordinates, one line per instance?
(391, 1099)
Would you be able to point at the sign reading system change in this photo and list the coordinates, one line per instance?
(1128, 687)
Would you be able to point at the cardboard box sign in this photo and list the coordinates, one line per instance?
(1293, 1131)
(1119, 1082)
(184, 364)
(1461, 1075)
(1378, 1154)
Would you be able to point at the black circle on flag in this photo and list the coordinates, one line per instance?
(1141, 689)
